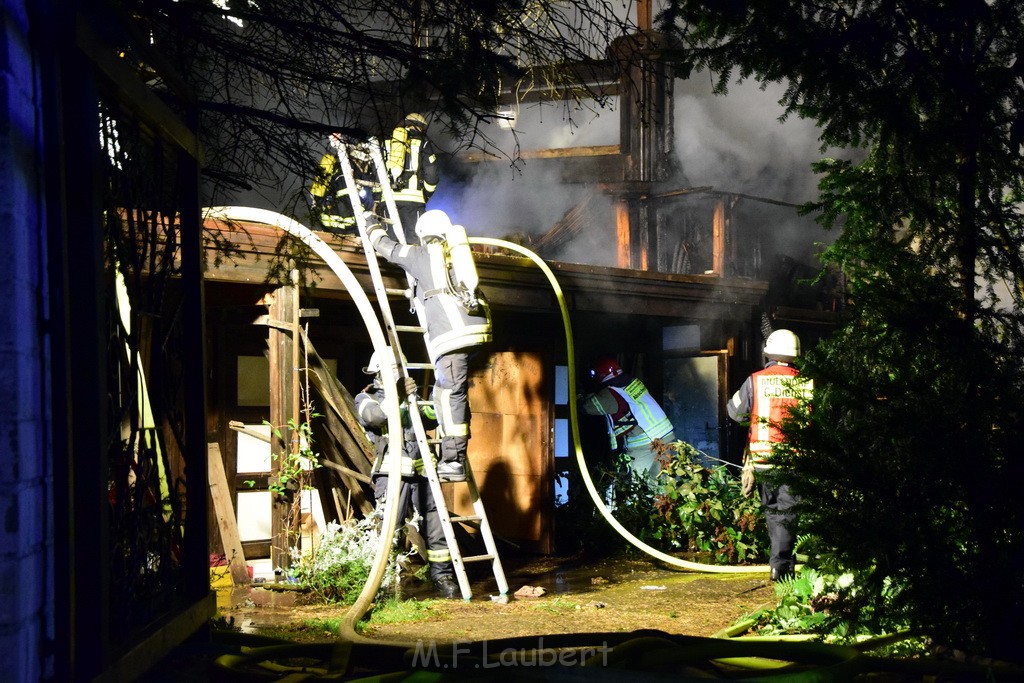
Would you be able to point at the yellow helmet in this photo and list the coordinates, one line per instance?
(414, 119)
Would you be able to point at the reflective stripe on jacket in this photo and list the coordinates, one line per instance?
(647, 413)
(449, 326)
(412, 165)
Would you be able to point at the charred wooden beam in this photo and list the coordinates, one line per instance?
(566, 229)
(553, 153)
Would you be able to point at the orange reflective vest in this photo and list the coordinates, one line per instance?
(775, 389)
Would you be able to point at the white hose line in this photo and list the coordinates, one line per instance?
(391, 395)
(581, 462)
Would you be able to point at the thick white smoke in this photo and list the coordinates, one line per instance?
(734, 143)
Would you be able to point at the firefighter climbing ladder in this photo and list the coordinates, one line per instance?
(426, 446)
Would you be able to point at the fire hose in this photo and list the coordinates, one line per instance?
(574, 420)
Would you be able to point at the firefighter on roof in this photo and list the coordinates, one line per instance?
(764, 400)
(456, 316)
(414, 495)
(635, 420)
(330, 197)
(412, 165)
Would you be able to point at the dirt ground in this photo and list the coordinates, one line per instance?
(579, 597)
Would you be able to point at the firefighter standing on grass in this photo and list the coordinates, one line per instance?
(456, 316)
(765, 399)
(415, 491)
(412, 165)
(635, 421)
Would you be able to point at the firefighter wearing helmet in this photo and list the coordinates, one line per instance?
(763, 401)
(636, 423)
(414, 496)
(457, 318)
(330, 196)
(412, 165)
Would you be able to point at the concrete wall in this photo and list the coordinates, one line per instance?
(26, 530)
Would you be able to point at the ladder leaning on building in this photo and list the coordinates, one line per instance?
(427, 446)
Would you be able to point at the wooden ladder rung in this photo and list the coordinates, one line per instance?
(409, 328)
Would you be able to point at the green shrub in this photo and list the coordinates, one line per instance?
(702, 510)
(338, 566)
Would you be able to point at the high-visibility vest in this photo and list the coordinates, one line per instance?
(646, 412)
(332, 196)
(775, 390)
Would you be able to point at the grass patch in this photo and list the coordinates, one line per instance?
(558, 606)
(397, 611)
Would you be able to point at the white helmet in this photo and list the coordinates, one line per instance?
(434, 223)
(782, 345)
(377, 359)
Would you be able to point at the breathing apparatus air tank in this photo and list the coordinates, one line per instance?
(460, 256)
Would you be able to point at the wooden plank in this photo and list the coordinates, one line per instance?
(225, 512)
(282, 373)
(342, 443)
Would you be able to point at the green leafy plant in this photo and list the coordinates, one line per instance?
(802, 600)
(336, 568)
(696, 509)
(702, 510)
(295, 470)
(807, 605)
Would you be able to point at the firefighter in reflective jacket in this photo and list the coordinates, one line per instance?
(764, 400)
(457, 319)
(412, 165)
(636, 422)
(415, 490)
(331, 196)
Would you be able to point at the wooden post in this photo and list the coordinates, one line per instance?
(718, 222)
(622, 234)
(279, 354)
(643, 15)
(296, 335)
(644, 136)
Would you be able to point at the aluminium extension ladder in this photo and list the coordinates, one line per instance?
(426, 446)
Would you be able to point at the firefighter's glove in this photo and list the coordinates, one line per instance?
(374, 230)
(747, 480)
(410, 386)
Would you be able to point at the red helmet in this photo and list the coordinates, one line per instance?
(606, 369)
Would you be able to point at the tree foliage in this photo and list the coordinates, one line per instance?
(906, 466)
(275, 78)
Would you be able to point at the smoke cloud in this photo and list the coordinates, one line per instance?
(735, 143)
